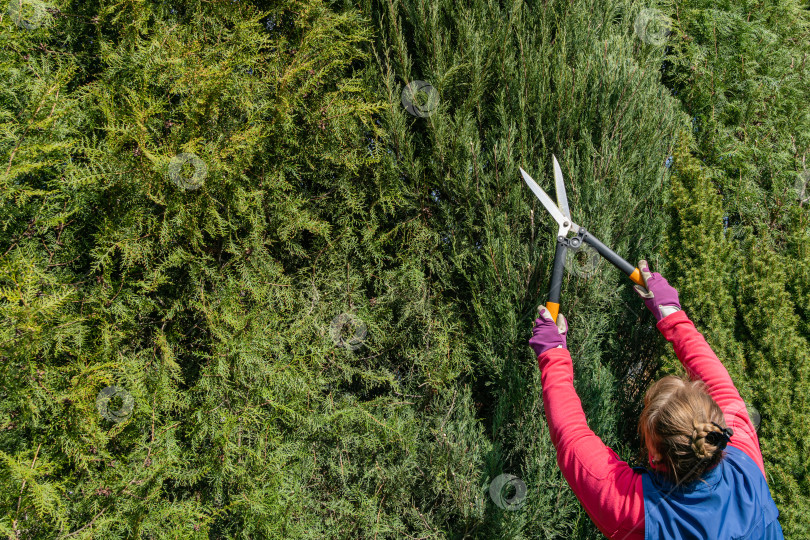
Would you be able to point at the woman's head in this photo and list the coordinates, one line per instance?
(674, 425)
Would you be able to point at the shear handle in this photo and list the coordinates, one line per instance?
(553, 303)
(632, 272)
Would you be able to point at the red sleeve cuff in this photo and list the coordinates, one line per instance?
(668, 323)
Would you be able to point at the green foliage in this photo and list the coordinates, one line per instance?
(191, 300)
(211, 289)
(702, 259)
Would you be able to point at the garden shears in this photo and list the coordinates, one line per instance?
(562, 215)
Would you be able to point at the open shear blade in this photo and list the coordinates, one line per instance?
(562, 200)
(562, 215)
(563, 222)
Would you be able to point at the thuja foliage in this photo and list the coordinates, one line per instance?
(196, 196)
(740, 234)
(209, 302)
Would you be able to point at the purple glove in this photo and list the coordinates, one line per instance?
(547, 335)
(659, 296)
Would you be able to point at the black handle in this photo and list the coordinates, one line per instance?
(553, 303)
(609, 254)
(557, 274)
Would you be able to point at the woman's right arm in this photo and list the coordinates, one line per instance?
(699, 359)
(700, 362)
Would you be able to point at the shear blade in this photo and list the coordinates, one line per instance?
(562, 200)
(563, 222)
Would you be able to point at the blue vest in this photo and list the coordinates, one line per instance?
(735, 505)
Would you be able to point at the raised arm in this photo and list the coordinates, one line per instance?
(607, 487)
(701, 363)
(698, 359)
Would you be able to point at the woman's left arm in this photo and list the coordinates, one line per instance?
(608, 488)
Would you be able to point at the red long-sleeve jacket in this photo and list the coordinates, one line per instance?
(608, 488)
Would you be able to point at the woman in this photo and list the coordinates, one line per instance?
(702, 484)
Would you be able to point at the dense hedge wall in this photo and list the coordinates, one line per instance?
(268, 269)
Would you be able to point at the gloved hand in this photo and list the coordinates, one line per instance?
(547, 335)
(659, 296)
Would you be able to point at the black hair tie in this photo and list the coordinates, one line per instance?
(721, 438)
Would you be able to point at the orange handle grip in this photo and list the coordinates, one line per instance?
(554, 309)
(637, 278)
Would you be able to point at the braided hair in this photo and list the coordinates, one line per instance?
(706, 435)
(685, 425)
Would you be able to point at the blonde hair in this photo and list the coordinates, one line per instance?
(677, 417)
